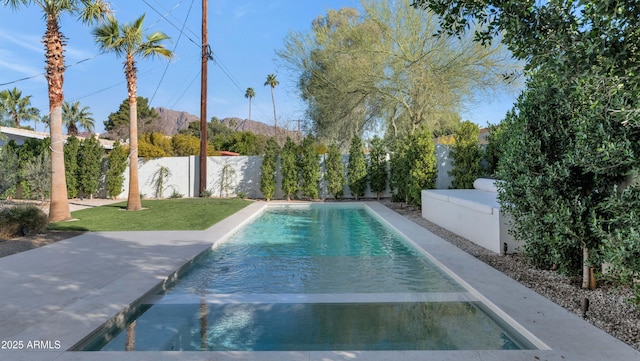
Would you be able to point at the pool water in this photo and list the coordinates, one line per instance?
(310, 278)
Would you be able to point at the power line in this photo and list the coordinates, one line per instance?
(169, 21)
(37, 75)
(184, 23)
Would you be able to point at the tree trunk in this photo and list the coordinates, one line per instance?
(586, 273)
(53, 40)
(133, 200)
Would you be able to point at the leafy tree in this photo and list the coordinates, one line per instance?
(16, 107)
(378, 166)
(128, 40)
(71, 151)
(268, 169)
(72, 114)
(118, 122)
(423, 165)
(272, 82)
(155, 145)
(399, 169)
(87, 11)
(185, 144)
(386, 66)
(334, 173)
(117, 164)
(309, 165)
(289, 168)
(595, 119)
(466, 155)
(357, 168)
(494, 149)
(90, 156)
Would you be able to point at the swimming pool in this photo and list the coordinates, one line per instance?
(315, 277)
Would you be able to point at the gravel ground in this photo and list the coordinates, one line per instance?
(609, 309)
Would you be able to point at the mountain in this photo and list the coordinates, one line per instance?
(171, 122)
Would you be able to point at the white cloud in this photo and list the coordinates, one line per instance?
(26, 41)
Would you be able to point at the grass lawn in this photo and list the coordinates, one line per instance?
(157, 215)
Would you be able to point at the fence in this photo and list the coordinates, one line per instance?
(230, 176)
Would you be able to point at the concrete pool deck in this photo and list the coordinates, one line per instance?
(58, 294)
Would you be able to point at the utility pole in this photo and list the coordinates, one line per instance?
(206, 55)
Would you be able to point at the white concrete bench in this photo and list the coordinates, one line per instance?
(471, 213)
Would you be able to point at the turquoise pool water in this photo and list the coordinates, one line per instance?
(320, 277)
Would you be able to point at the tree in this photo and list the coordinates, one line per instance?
(268, 169)
(117, 163)
(118, 122)
(289, 168)
(595, 119)
(71, 150)
(399, 169)
(90, 156)
(386, 69)
(357, 168)
(17, 107)
(72, 114)
(88, 11)
(249, 94)
(334, 173)
(422, 164)
(309, 166)
(494, 148)
(155, 145)
(185, 144)
(466, 155)
(272, 82)
(128, 40)
(378, 166)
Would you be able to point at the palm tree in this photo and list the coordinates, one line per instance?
(71, 113)
(128, 40)
(272, 82)
(17, 107)
(87, 11)
(249, 94)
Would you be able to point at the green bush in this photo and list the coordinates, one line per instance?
(21, 220)
(334, 173)
(378, 166)
(466, 155)
(357, 168)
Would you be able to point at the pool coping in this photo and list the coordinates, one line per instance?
(58, 294)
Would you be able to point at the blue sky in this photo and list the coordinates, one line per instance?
(244, 37)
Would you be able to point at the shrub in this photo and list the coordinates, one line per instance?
(378, 166)
(117, 163)
(309, 168)
(466, 155)
(268, 169)
(289, 169)
(334, 174)
(423, 165)
(21, 220)
(357, 168)
(71, 149)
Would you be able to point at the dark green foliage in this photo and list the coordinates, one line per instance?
(27, 153)
(71, 149)
(289, 168)
(309, 166)
(378, 166)
(118, 122)
(466, 155)
(334, 172)
(399, 169)
(268, 169)
(21, 220)
(8, 171)
(494, 149)
(618, 227)
(116, 165)
(422, 164)
(90, 157)
(549, 194)
(357, 168)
